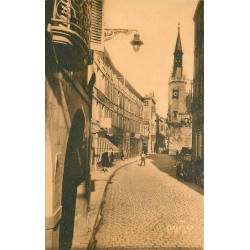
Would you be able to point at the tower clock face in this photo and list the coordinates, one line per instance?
(175, 94)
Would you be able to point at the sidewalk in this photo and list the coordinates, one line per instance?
(85, 226)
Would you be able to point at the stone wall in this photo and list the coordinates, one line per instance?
(63, 99)
(179, 137)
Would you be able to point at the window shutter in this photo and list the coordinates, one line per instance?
(97, 25)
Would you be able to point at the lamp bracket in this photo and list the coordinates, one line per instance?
(110, 33)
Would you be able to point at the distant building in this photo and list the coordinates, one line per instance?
(198, 86)
(149, 123)
(161, 133)
(179, 117)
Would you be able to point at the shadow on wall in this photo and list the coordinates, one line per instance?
(74, 173)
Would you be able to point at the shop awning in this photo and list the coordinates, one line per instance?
(109, 145)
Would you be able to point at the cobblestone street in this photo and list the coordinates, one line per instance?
(148, 209)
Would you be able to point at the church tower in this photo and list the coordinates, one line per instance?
(179, 119)
(177, 68)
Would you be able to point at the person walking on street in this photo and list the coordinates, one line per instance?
(105, 161)
(125, 153)
(177, 157)
(111, 159)
(143, 159)
(122, 155)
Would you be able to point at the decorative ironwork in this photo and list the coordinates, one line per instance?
(71, 32)
(110, 33)
(70, 13)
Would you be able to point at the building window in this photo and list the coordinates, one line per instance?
(132, 108)
(175, 114)
(118, 121)
(111, 93)
(104, 112)
(115, 119)
(122, 125)
(122, 101)
(145, 115)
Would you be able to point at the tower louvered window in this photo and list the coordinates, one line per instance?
(97, 25)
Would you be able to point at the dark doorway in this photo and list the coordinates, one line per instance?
(74, 174)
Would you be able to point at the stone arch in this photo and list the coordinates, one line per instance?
(74, 173)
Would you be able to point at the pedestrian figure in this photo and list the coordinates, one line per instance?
(177, 156)
(125, 153)
(122, 155)
(143, 160)
(111, 158)
(105, 161)
(145, 150)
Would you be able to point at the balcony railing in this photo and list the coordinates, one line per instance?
(100, 95)
(69, 33)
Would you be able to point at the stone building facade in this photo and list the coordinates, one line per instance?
(198, 87)
(149, 123)
(161, 133)
(68, 111)
(179, 119)
(117, 111)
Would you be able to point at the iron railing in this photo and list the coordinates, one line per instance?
(68, 14)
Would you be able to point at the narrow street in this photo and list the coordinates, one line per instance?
(146, 208)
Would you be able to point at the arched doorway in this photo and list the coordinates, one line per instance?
(74, 174)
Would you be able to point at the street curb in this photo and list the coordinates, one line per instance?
(92, 241)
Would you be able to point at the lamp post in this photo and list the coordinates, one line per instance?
(136, 42)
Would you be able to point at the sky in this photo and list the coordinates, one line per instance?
(157, 22)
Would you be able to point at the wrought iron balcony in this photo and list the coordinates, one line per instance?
(70, 34)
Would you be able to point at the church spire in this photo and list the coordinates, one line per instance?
(177, 69)
(178, 41)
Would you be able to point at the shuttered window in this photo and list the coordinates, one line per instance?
(97, 25)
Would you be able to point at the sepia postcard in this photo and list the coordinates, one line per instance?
(124, 120)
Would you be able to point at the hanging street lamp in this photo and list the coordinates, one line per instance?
(136, 42)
